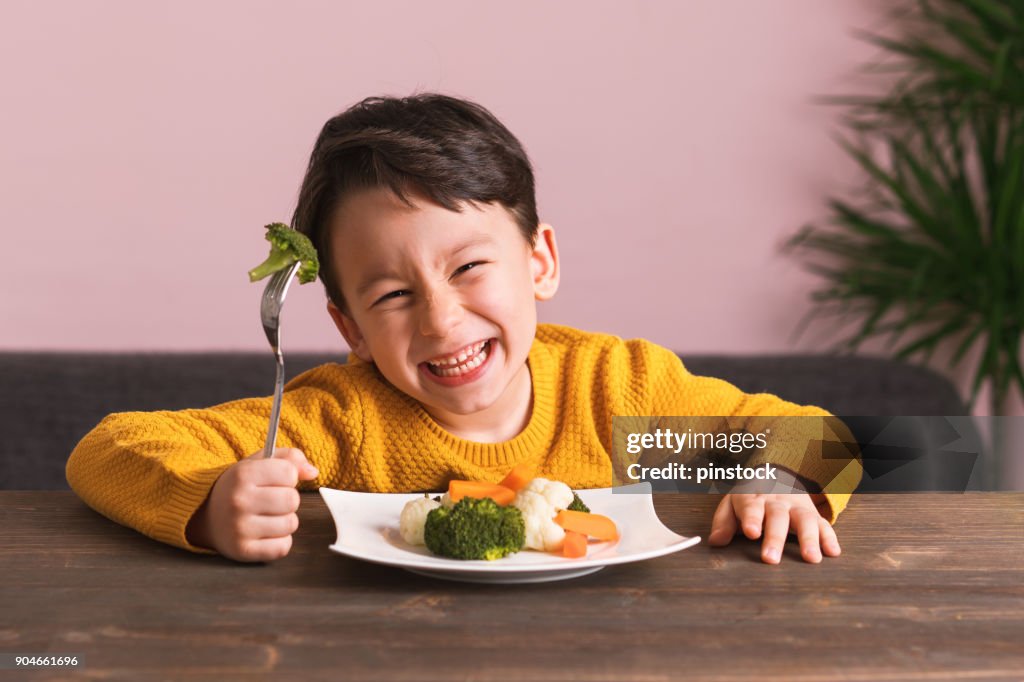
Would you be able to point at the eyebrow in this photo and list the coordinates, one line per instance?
(372, 279)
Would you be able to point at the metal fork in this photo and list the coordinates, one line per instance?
(270, 314)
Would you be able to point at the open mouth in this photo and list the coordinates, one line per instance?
(466, 362)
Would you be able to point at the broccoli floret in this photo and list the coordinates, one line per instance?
(286, 247)
(475, 529)
(577, 504)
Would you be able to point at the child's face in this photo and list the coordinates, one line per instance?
(428, 284)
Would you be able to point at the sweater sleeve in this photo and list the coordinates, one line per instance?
(816, 450)
(152, 470)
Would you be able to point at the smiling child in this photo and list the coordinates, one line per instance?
(423, 214)
(444, 304)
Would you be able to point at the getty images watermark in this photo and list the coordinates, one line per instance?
(768, 454)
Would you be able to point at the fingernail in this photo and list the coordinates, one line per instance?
(772, 554)
(313, 470)
(813, 554)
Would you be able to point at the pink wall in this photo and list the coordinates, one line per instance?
(675, 145)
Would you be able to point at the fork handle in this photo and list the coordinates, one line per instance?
(275, 411)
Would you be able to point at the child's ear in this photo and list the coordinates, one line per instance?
(350, 331)
(544, 263)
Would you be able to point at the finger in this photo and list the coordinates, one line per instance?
(305, 470)
(263, 526)
(723, 524)
(750, 510)
(269, 472)
(268, 549)
(776, 525)
(829, 541)
(274, 501)
(808, 532)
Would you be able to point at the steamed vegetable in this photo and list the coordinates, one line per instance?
(474, 529)
(286, 247)
(478, 489)
(539, 502)
(575, 545)
(577, 504)
(414, 518)
(594, 525)
(481, 520)
(518, 478)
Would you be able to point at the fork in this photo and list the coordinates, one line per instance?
(270, 314)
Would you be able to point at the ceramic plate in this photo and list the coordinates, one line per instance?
(367, 525)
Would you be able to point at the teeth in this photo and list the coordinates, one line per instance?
(461, 369)
(460, 358)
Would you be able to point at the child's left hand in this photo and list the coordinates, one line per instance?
(779, 514)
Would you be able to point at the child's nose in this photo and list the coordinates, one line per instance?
(440, 315)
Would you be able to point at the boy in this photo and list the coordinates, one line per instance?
(422, 211)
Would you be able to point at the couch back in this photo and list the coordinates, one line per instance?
(49, 401)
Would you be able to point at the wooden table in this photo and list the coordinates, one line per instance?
(929, 587)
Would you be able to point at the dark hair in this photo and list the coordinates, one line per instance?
(451, 150)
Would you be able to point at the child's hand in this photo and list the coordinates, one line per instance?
(250, 512)
(777, 513)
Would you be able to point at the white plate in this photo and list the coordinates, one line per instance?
(367, 526)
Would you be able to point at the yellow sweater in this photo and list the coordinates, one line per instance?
(152, 470)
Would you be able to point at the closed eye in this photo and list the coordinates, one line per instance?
(391, 295)
(469, 266)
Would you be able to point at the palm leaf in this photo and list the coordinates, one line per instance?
(935, 253)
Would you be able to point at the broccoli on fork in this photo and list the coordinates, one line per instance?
(286, 247)
(475, 529)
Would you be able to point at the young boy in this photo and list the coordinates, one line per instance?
(432, 255)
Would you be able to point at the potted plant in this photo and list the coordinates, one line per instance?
(933, 253)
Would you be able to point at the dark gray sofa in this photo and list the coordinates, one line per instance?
(48, 401)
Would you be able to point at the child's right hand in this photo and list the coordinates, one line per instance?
(250, 512)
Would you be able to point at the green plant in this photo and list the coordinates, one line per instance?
(933, 254)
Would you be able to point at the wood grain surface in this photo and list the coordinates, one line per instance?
(929, 587)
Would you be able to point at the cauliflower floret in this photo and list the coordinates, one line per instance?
(414, 518)
(558, 494)
(539, 501)
(446, 501)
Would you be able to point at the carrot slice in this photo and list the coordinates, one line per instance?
(518, 478)
(594, 525)
(478, 489)
(575, 545)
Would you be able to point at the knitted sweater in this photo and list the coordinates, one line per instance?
(152, 470)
